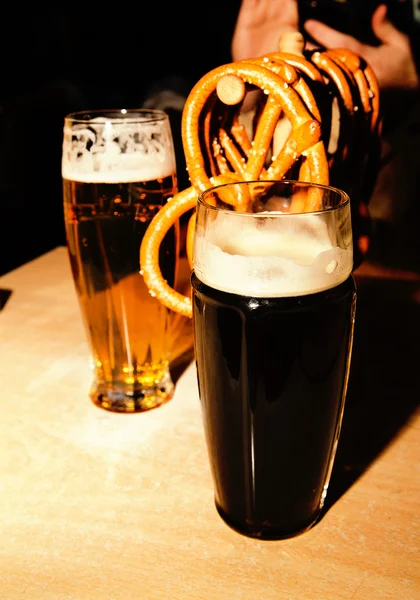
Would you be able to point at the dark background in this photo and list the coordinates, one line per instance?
(56, 62)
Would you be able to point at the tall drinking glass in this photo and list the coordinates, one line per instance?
(118, 169)
(273, 311)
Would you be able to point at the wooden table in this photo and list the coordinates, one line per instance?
(96, 505)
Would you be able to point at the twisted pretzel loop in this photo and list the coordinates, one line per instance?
(218, 148)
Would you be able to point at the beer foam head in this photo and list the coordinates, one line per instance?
(117, 150)
(271, 254)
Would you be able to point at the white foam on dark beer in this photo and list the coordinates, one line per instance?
(286, 256)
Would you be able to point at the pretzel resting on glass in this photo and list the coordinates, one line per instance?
(316, 119)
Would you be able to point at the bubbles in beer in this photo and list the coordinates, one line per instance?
(116, 177)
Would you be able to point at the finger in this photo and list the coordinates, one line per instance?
(384, 29)
(330, 38)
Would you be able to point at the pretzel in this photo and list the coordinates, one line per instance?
(218, 148)
(355, 164)
(365, 79)
(315, 166)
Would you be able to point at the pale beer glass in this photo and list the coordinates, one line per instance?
(274, 303)
(118, 170)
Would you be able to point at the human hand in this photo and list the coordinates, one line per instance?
(260, 24)
(392, 61)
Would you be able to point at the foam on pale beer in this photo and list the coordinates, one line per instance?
(272, 257)
(97, 155)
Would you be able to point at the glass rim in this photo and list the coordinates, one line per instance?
(116, 115)
(274, 214)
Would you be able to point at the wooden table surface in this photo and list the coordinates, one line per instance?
(96, 505)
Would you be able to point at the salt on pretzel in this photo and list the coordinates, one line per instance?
(219, 150)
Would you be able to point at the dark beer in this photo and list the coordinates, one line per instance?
(273, 312)
(272, 375)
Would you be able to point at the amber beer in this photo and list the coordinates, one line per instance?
(108, 205)
(274, 308)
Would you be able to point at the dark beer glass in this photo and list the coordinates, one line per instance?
(273, 311)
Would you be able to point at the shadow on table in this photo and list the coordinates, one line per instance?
(4, 297)
(178, 367)
(384, 382)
